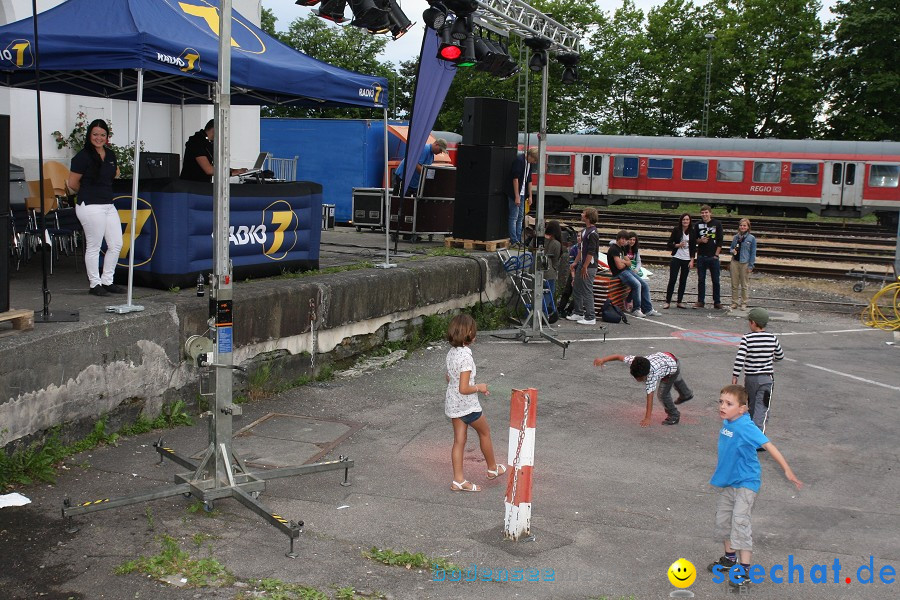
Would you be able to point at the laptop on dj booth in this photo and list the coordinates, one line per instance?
(257, 166)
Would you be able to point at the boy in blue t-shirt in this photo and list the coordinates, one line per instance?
(738, 474)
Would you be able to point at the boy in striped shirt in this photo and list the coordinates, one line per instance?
(757, 351)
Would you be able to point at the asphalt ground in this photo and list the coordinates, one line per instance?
(614, 505)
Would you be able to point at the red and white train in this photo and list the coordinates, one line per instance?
(765, 176)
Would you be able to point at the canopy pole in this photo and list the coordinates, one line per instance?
(44, 315)
(135, 177)
(387, 200)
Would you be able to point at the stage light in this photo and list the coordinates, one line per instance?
(371, 15)
(400, 23)
(462, 7)
(307, 2)
(462, 27)
(434, 16)
(449, 49)
(468, 55)
(539, 47)
(333, 10)
(569, 61)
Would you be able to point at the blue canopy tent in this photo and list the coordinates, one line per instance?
(167, 51)
(97, 48)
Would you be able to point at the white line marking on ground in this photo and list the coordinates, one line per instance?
(822, 332)
(890, 387)
(663, 323)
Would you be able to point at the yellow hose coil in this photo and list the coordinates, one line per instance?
(874, 316)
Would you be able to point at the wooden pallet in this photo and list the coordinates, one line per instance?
(489, 246)
(22, 320)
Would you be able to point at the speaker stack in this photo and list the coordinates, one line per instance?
(484, 168)
(4, 213)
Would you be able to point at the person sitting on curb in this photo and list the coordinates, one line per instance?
(620, 267)
(660, 370)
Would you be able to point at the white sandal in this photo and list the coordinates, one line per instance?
(460, 486)
(496, 473)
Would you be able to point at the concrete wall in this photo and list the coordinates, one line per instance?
(73, 373)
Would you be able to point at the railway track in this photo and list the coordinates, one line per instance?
(785, 247)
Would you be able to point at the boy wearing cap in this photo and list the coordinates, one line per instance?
(756, 353)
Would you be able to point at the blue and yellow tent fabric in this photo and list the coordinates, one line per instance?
(94, 47)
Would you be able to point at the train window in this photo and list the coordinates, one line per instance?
(807, 173)
(625, 166)
(837, 173)
(884, 175)
(850, 176)
(697, 170)
(598, 165)
(559, 164)
(586, 165)
(766, 172)
(659, 168)
(730, 170)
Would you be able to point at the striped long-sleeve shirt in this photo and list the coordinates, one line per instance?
(755, 355)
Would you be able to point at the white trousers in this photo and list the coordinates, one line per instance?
(100, 221)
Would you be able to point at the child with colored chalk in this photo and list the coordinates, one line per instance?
(738, 474)
(461, 403)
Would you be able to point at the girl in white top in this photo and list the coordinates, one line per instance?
(462, 405)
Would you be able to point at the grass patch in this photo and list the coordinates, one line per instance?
(327, 271)
(408, 560)
(172, 560)
(39, 460)
(441, 251)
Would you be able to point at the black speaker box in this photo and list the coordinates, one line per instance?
(484, 169)
(159, 165)
(490, 122)
(4, 213)
(481, 217)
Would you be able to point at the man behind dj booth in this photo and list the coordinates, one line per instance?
(198, 156)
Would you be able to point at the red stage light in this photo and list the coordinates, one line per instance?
(451, 53)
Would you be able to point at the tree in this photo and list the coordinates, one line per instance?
(349, 48)
(764, 81)
(862, 70)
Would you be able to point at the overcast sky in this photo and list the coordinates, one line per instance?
(407, 47)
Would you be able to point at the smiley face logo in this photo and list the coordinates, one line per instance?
(682, 573)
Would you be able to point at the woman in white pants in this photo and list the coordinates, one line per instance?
(91, 177)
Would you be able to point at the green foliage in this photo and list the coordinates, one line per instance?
(199, 507)
(172, 560)
(259, 384)
(488, 316)
(441, 251)
(275, 589)
(76, 138)
(862, 70)
(434, 327)
(174, 289)
(38, 461)
(148, 513)
(407, 559)
(327, 271)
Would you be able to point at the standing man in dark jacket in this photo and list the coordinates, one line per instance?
(708, 233)
(518, 191)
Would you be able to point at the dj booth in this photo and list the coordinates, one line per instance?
(273, 228)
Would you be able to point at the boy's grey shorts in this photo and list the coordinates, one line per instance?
(733, 517)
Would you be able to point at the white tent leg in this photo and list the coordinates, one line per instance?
(128, 306)
(387, 264)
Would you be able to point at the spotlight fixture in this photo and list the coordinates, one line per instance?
(435, 15)
(448, 49)
(462, 27)
(462, 7)
(400, 23)
(371, 15)
(569, 61)
(307, 2)
(468, 55)
(333, 10)
(539, 47)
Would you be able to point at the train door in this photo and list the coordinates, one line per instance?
(842, 184)
(590, 177)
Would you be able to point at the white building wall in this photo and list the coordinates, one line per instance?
(164, 128)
